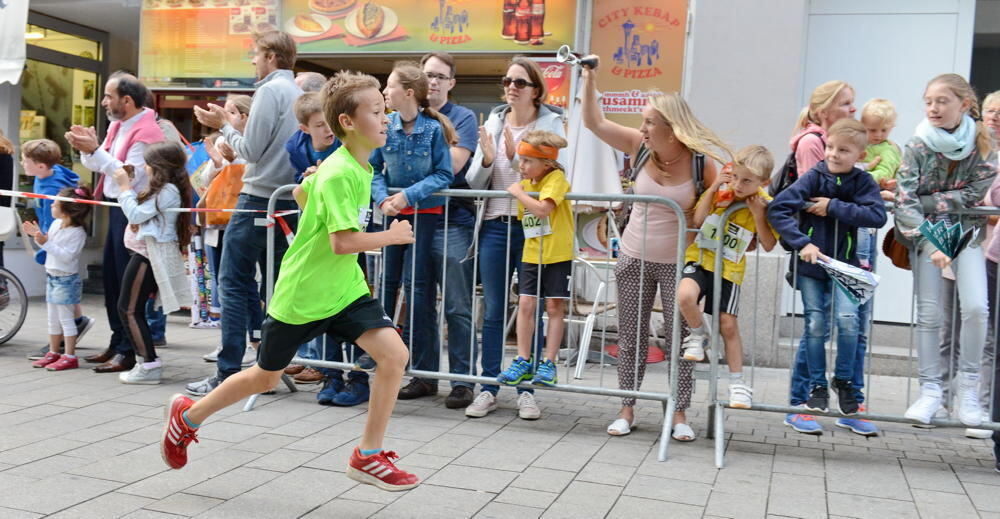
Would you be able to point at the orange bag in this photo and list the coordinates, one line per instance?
(223, 193)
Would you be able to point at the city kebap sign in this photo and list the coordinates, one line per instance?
(324, 26)
(641, 44)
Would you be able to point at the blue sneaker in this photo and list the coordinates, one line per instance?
(365, 363)
(332, 386)
(355, 393)
(546, 374)
(804, 423)
(857, 425)
(518, 371)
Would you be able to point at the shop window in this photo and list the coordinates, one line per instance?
(62, 42)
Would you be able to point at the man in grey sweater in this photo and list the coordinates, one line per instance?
(271, 123)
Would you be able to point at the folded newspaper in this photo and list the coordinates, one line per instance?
(949, 239)
(857, 283)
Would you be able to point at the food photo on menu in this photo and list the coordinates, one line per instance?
(358, 22)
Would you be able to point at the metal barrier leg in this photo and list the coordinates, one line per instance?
(710, 431)
(668, 425)
(252, 401)
(720, 436)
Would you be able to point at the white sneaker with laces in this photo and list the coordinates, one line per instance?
(970, 411)
(214, 356)
(740, 396)
(694, 347)
(929, 402)
(980, 434)
(141, 375)
(527, 409)
(483, 405)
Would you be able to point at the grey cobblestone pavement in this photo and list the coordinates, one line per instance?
(79, 444)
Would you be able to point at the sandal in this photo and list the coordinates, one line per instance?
(683, 433)
(621, 427)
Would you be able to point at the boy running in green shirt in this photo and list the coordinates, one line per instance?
(321, 289)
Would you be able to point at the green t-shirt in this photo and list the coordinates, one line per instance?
(315, 283)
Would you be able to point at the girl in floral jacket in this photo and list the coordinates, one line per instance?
(947, 166)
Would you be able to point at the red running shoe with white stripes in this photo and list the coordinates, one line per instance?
(176, 433)
(379, 470)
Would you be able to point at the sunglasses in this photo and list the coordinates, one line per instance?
(518, 83)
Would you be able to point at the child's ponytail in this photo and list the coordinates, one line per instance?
(450, 135)
(77, 212)
(412, 77)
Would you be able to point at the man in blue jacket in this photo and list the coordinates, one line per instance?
(819, 216)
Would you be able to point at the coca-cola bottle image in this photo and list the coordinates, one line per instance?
(537, 21)
(522, 16)
(509, 24)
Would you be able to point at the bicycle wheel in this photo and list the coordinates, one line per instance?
(13, 305)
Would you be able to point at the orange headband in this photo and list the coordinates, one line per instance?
(525, 149)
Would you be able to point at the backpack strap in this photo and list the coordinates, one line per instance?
(698, 174)
(641, 157)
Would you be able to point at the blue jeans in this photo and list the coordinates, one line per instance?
(457, 288)
(496, 264)
(214, 257)
(244, 249)
(817, 296)
(420, 292)
(156, 320)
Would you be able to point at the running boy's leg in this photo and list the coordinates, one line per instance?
(389, 352)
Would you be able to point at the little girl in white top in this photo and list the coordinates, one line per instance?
(64, 288)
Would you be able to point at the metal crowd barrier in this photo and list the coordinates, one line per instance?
(586, 322)
(718, 405)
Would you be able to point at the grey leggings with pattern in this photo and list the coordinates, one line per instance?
(633, 323)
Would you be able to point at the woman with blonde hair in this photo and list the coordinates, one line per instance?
(669, 151)
(829, 103)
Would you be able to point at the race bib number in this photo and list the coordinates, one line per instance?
(735, 241)
(364, 216)
(535, 227)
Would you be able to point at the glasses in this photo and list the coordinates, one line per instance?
(439, 77)
(518, 83)
(992, 112)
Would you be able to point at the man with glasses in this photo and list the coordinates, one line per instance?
(456, 232)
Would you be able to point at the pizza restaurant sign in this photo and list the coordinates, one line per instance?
(641, 44)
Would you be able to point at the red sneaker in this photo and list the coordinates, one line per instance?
(49, 358)
(176, 433)
(379, 470)
(64, 363)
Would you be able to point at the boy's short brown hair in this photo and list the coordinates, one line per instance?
(341, 96)
(851, 129)
(546, 138)
(43, 151)
(306, 105)
(757, 159)
(278, 43)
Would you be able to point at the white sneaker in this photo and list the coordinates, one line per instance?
(483, 405)
(141, 375)
(941, 414)
(929, 402)
(694, 347)
(527, 409)
(249, 357)
(740, 396)
(214, 356)
(970, 411)
(980, 434)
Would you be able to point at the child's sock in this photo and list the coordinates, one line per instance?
(188, 421)
(701, 330)
(736, 378)
(68, 356)
(369, 452)
(150, 365)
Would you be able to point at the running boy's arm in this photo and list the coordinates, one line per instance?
(350, 241)
(765, 235)
(539, 208)
(301, 197)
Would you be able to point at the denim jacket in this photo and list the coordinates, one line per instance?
(419, 162)
(151, 216)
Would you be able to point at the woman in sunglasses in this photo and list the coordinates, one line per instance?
(668, 153)
(501, 238)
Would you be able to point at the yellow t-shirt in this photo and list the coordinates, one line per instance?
(740, 231)
(557, 227)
